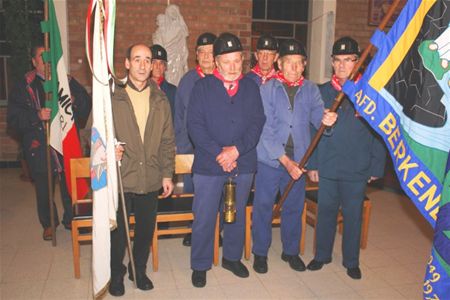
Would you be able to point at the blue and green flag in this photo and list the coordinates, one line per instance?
(404, 95)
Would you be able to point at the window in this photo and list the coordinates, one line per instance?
(19, 29)
(282, 18)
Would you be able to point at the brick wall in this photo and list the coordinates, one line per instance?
(136, 22)
(352, 20)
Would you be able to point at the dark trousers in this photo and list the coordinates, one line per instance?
(207, 201)
(349, 196)
(42, 195)
(145, 208)
(269, 182)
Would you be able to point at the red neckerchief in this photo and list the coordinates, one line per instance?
(199, 71)
(29, 78)
(280, 77)
(257, 70)
(337, 86)
(160, 81)
(335, 83)
(233, 84)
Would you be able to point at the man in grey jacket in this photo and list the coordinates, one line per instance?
(142, 120)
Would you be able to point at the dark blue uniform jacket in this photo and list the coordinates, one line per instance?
(353, 151)
(215, 120)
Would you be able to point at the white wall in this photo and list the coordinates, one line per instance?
(321, 38)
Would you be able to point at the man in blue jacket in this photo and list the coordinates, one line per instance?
(343, 163)
(225, 119)
(205, 66)
(266, 55)
(159, 67)
(291, 104)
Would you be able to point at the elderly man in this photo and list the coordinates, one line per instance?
(27, 114)
(205, 66)
(159, 67)
(143, 121)
(291, 104)
(266, 55)
(343, 163)
(225, 119)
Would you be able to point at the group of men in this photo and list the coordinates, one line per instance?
(251, 129)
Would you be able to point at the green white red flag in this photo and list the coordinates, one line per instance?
(63, 132)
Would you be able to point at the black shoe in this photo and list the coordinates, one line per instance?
(315, 265)
(143, 282)
(198, 278)
(116, 287)
(354, 273)
(295, 262)
(236, 267)
(187, 240)
(260, 264)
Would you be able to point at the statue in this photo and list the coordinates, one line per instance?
(171, 33)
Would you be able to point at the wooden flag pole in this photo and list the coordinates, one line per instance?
(125, 222)
(336, 103)
(47, 131)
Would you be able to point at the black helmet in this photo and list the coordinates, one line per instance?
(292, 47)
(267, 42)
(158, 52)
(206, 38)
(345, 45)
(227, 43)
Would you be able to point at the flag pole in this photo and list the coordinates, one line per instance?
(125, 222)
(334, 107)
(47, 131)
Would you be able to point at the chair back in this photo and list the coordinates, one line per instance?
(183, 163)
(79, 168)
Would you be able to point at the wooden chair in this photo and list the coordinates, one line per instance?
(79, 168)
(312, 213)
(183, 214)
(248, 223)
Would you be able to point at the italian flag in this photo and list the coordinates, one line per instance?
(63, 133)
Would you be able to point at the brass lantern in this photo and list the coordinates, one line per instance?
(229, 211)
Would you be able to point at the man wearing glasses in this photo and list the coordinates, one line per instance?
(343, 164)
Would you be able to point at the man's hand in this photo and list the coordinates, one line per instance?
(313, 175)
(119, 152)
(291, 167)
(372, 178)
(44, 114)
(227, 157)
(167, 185)
(329, 118)
(229, 168)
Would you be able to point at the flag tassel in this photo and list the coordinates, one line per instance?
(337, 102)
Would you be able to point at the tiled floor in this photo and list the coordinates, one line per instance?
(393, 264)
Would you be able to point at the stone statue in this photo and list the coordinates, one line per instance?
(171, 33)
